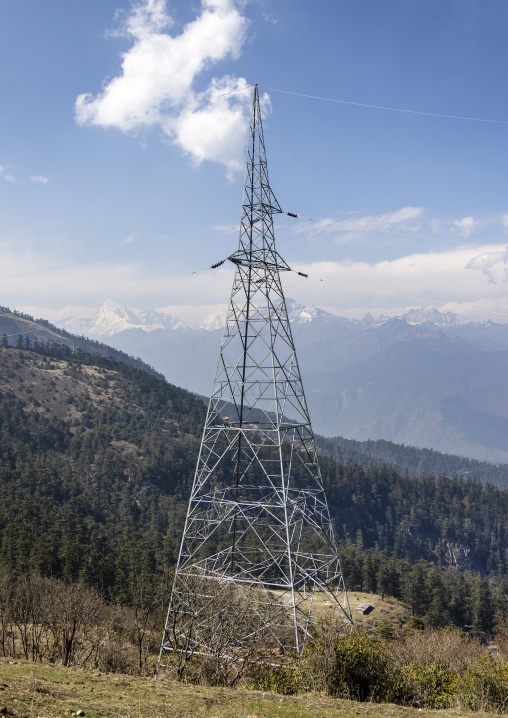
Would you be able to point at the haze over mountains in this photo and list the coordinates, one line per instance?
(426, 378)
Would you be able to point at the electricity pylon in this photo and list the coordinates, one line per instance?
(257, 516)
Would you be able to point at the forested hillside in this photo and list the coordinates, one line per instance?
(24, 331)
(95, 461)
(418, 462)
(96, 464)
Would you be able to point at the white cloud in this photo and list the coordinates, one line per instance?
(437, 225)
(452, 279)
(10, 178)
(494, 265)
(155, 86)
(212, 127)
(463, 279)
(128, 240)
(56, 315)
(347, 229)
(6, 177)
(147, 17)
(133, 283)
(466, 225)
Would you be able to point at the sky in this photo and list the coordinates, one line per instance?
(123, 126)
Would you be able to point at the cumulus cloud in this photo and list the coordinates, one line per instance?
(347, 229)
(466, 225)
(156, 84)
(493, 265)
(39, 178)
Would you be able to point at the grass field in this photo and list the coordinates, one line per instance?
(29, 690)
(383, 609)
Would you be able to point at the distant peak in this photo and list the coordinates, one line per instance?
(369, 320)
(113, 318)
(298, 313)
(215, 320)
(422, 315)
(111, 304)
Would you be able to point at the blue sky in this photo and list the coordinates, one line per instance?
(116, 152)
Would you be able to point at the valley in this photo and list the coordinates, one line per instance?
(424, 379)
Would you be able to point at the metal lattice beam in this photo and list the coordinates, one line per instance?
(257, 515)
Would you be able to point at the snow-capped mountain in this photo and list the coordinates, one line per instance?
(434, 316)
(425, 378)
(299, 314)
(112, 319)
(215, 320)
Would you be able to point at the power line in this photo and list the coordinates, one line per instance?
(154, 113)
(88, 261)
(382, 107)
(430, 302)
(367, 228)
(120, 254)
(143, 284)
(106, 256)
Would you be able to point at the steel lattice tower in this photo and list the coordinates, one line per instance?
(257, 514)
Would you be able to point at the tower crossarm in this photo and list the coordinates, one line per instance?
(259, 263)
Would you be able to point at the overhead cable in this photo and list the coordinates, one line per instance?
(367, 228)
(421, 300)
(383, 107)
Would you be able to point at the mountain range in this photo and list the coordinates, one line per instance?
(426, 378)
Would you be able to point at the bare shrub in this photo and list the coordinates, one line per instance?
(143, 620)
(30, 600)
(224, 624)
(114, 657)
(501, 637)
(6, 634)
(449, 648)
(75, 620)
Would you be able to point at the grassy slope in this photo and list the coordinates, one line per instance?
(52, 381)
(42, 331)
(383, 609)
(30, 690)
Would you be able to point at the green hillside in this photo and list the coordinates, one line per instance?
(24, 331)
(417, 462)
(96, 464)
